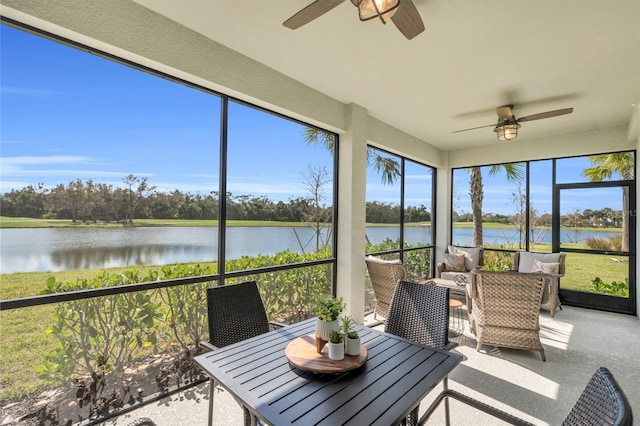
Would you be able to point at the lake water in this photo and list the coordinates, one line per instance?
(59, 249)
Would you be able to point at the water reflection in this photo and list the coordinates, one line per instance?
(59, 249)
(106, 257)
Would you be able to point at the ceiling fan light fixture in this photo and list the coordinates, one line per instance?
(376, 10)
(507, 130)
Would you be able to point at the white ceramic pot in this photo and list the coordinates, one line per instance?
(352, 346)
(324, 328)
(336, 351)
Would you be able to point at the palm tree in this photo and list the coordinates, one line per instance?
(388, 168)
(476, 192)
(605, 165)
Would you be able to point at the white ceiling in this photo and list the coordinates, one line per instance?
(473, 56)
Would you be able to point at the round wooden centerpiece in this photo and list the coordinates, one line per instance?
(302, 354)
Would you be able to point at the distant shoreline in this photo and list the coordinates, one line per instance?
(24, 222)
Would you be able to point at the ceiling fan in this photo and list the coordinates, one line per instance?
(403, 13)
(508, 125)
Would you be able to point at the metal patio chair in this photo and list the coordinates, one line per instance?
(235, 313)
(420, 313)
(602, 402)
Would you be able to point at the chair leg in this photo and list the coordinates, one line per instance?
(212, 390)
(542, 355)
(445, 384)
(446, 394)
(440, 398)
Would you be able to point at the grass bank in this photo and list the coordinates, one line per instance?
(26, 222)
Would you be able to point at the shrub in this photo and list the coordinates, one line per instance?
(596, 243)
(99, 334)
(612, 243)
(614, 289)
(497, 260)
(186, 306)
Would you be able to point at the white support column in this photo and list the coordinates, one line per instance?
(443, 205)
(352, 212)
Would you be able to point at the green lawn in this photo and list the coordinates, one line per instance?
(25, 222)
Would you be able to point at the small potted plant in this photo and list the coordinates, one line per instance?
(336, 346)
(352, 339)
(327, 310)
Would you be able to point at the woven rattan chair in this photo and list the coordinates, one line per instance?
(504, 309)
(602, 402)
(420, 313)
(235, 313)
(522, 262)
(384, 275)
(474, 258)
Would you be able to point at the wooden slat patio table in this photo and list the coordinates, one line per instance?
(397, 376)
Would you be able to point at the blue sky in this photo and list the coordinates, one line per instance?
(66, 114)
(108, 120)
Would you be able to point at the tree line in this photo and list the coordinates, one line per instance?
(603, 218)
(94, 202)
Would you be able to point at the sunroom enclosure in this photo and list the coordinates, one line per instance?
(341, 269)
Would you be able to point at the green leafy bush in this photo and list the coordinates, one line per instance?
(186, 306)
(99, 334)
(287, 294)
(497, 260)
(612, 243)
(104, 334)
(614, 289)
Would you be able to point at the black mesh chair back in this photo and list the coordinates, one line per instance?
(601, 403)
(235, 313)
(420, 313)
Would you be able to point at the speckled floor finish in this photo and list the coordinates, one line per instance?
(577, 342)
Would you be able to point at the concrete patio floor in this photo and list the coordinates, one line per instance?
(577, 342)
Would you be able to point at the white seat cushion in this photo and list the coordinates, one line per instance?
(525, 264)
(460, 278)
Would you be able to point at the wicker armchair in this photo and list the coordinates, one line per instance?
(504, 309)
(473, 258)
(602, 402)
(384, 275)
(420, 313)
(523, 262)
(235, 313)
